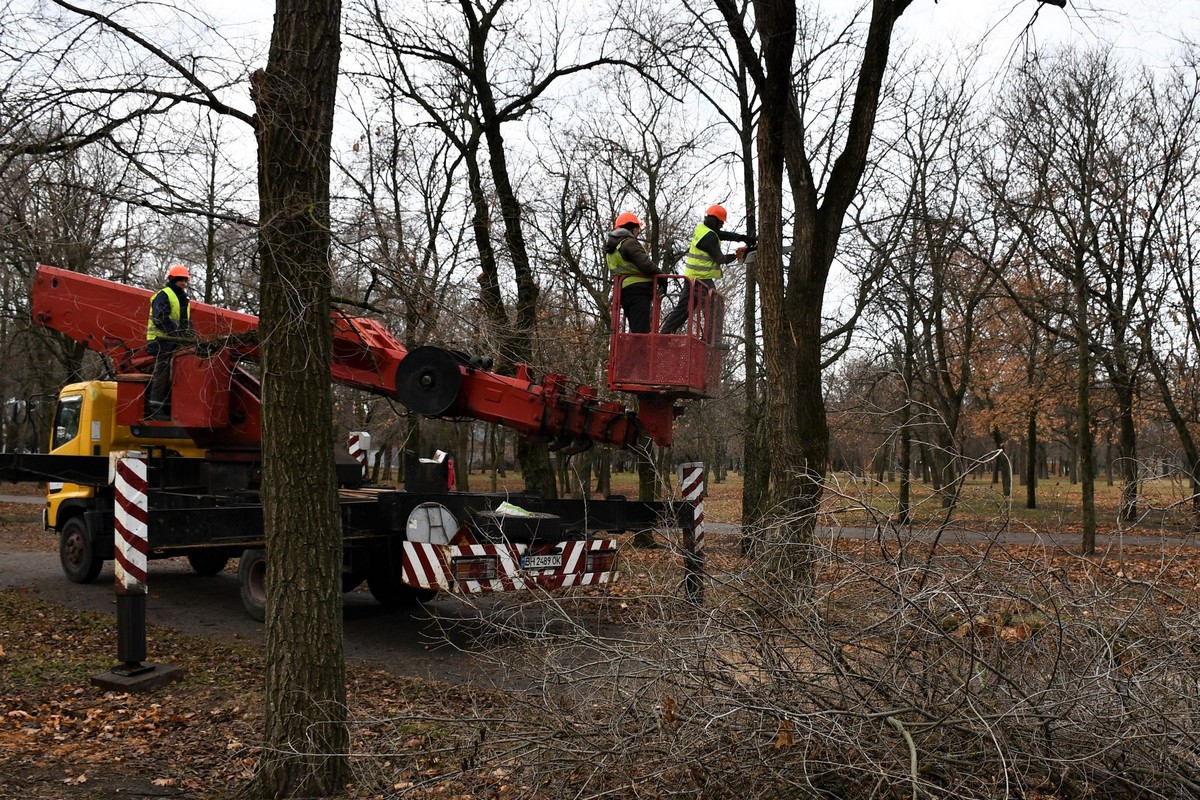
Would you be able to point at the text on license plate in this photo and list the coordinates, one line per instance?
(542, 562)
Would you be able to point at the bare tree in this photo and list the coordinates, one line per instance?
(1170, 331)
(402, 241)
(1089, 176)
(792, 298)
(933, 286)
(294, 96)
(471, 73)
(66, 72)
(59, 210)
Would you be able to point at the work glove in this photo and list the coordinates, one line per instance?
(741, 254)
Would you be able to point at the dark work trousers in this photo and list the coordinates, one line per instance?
(160, 383)
(678, 316)
(635, 302)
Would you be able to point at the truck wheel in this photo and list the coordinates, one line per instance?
(351, 580)
(392, 593)
(207, 562)
(252, 575)
(77, 552)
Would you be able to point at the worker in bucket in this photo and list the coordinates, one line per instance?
(626, 256)
(169, 322)
(705, 261)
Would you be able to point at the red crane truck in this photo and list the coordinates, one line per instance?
(204, 463)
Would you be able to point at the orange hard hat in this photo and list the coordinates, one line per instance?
(718, 212)
(628, 218)
(179, 271)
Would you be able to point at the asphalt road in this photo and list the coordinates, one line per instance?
(437, 641)
(432, 642)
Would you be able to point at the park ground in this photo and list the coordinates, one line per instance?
(60, 737)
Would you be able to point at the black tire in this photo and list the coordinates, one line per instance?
(351, 581)
(252, 577)
(389, 591)
(77, 551)
(208, 562)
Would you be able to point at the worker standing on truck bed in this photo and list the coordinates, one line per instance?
(626, 256)
(705, 261)
(169, 320)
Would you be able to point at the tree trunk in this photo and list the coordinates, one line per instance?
(462, 457)
(493, 454)
(791, 306)
(604, 473)
(1108, 459)
(908, 372)
(584, 466)
(647, 484)
(1087, 459)
(1031, 459)
(305, 738)
(1191, 451)
(1002, 462)
(533, 457)
(906, 466)
(1127, 448)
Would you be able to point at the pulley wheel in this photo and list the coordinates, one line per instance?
(428, 381)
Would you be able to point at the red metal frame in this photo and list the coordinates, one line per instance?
(661, 369)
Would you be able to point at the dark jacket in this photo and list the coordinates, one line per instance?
(631, 248)
(164, 325)
(711, 243)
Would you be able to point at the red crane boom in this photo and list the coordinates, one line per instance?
(217, 399)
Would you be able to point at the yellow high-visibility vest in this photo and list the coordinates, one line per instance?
(152, 332)
(619, 265)
(699, 264)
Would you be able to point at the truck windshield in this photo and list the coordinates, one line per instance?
(66, 420)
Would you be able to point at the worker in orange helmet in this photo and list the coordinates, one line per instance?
(705, 261)
(170, 321)
(626, 256)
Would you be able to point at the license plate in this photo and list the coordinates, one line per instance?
(542, 562)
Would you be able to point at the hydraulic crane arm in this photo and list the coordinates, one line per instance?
(111, 318)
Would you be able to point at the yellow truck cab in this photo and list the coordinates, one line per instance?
(85, 425)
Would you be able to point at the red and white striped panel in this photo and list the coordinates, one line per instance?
(691, 485)
(359, 442)
(575, 562)
(429, 566)
(132, 532)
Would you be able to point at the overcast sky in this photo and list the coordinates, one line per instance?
(1144, 28)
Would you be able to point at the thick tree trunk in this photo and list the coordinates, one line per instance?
(799, 435)
(946, 461)
(305, 739)
(1127, 447)
(584, 466)
(791, 307)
